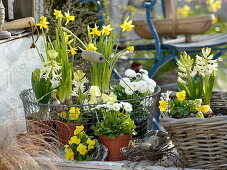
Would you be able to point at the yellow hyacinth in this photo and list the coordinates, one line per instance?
(204, 108)
(74, 140)
(43, 23)
(79, 130)
(106, 30)
(63, 114)
(127, 25)
(68, 17)
(162, 105)
(82, 149)
(58, 14)
(95, 31)
(181, 95)
(91, 47)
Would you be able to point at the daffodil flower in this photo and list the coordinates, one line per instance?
(43, 23)
(127, 25)
(68, 17)
(58, 14)
(106, 30)
(73, 51)
(131, 48)
(91, 47)
(95, 31)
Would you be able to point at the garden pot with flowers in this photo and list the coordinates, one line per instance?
(114, 127)
(196, 131)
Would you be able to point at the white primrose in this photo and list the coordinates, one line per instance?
(135, 85)
(129, 90)
(143, 86)
(130, 73)
(128, 107)
(116, 107)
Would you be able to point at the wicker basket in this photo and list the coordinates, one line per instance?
(201, 142)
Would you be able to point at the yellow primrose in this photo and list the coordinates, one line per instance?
(127, 25)
(68, 17)
(73, 116)
(95, 31)
(162, 105)
(73, 51)
(74, 139)
(74, 110)
(90, 142)
(63, 114)
(90, 147)
(69, 155)
(181, 95)
(106, 30)
(82, 149)
(79, 130)
(204, 108)
(91, 47)
(58, 14)
(131, 48)
(43, 23)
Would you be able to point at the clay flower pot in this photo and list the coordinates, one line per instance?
(66, 130)
(114, 146)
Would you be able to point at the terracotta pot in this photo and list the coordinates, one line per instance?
(66, 130)
(114, 146)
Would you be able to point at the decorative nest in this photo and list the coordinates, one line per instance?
(153, 147)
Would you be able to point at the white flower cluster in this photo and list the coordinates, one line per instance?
(206, 64)
(112, 106)
(51, 69)
(137, 82)
(78, 81)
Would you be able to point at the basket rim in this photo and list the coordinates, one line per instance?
(156, 92)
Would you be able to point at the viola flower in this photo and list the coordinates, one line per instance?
(91, 47)
(162, 105)
(79, 130)
(82, 149)
(58, 14)
(74, 140)
(127, 25)
(181, 95)
(204, 108)
(68, 17)
(130, 73)
(131, 48)
(95, 31)
(43, 23)
(106, 30)
(63, 114)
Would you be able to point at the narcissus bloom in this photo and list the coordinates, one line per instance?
(95, 31)
(91, 47)
(127, 25)
(106, 30)
(68, 17)
(43, 23)
(58, 14)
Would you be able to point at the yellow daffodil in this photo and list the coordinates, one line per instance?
(91, 47)
(43, 23)
(63, 114)
(68, 17)
(213, 5)
(66, 36)
(79, 130)
(181, 95)
(74, 110)
(95, 31)
(106, 30)
(215, 20)
(82, 149)
(73, 51)
(184, 11)
(127, 25)
(162, 105)
(74, 140)
(58, 14)
(204, 108)
(131, 48)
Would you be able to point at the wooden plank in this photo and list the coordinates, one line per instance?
(23, 8)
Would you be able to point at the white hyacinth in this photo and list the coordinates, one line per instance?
(130, 73)
(143, 86)
(125, 82)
